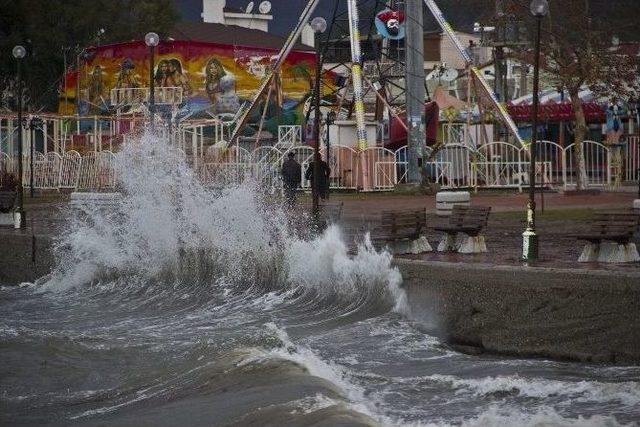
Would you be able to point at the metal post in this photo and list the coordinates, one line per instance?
(529, 237)
(21, 221)
(315, 185)
(329, 121)
(152, 95)
(32, 152)
(415, 90)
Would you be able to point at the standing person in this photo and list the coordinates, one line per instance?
(323, 182)
(291, 177)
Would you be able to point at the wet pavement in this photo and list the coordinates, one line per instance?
(563, 217)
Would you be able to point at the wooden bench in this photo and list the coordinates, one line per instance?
(609, 238)
(402, 231)
(468, 221)
(7, 201)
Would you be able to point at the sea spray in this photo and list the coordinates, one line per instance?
(169, 227)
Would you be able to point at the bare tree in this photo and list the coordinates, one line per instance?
(578, 52)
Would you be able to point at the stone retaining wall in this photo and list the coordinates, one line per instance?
(16, 257)
(591, 316)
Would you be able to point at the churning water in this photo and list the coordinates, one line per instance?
(183, 306)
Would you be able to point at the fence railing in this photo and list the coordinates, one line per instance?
(494, 165)
(92, 171)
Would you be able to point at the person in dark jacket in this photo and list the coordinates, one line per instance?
(291, 177)
(323, 184)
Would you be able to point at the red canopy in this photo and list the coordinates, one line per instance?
(560, 112)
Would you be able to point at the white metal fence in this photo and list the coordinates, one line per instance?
(632, 159)
(93, 171)
(493, 165)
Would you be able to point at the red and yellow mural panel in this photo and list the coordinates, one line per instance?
(213, 77)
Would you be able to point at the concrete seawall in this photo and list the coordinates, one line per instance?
(590, 316)
(17, 254)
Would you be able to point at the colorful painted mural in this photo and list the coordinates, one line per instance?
(213, 77)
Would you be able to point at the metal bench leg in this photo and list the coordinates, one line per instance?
(590, 252)
(473, 245)
(614, 252)
(447, 243)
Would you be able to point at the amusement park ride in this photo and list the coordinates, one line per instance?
(375, 87)
(382, 76)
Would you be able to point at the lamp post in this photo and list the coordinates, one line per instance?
(151, 40)
(34, 124)
(539, 9)
(331, 117)
(19, 52)
(319, 25)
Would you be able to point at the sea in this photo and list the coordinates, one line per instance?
(182, 304)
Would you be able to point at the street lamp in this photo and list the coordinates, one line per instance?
(331, 117)
(19, 52)
(34, 124)
(152, 40)
(319, 26)
(539, 9)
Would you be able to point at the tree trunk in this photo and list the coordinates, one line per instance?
(580, 133)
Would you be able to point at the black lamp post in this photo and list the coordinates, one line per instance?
(319, 25)
(152, 40)
(331, 117)
(19, 52)
(34, 124)
(539, 9)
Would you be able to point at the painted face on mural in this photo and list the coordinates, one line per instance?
(163, 67)
(197, 73)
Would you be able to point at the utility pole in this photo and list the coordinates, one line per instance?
(415, 90)
(499, 65)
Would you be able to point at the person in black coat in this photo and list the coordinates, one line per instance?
(323, 184)
(291, 178)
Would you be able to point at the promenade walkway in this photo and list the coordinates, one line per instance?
(563, 216)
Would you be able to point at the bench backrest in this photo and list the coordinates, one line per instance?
(403, 221)
(7, 200)
(469, 216)
(618, 223)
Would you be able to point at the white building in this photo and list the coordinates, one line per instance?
(217, 12)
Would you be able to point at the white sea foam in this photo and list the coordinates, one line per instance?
(338, 376)
(546, 417)
(626, 393)
(165, 211)
(325, 265)
(496, 416)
